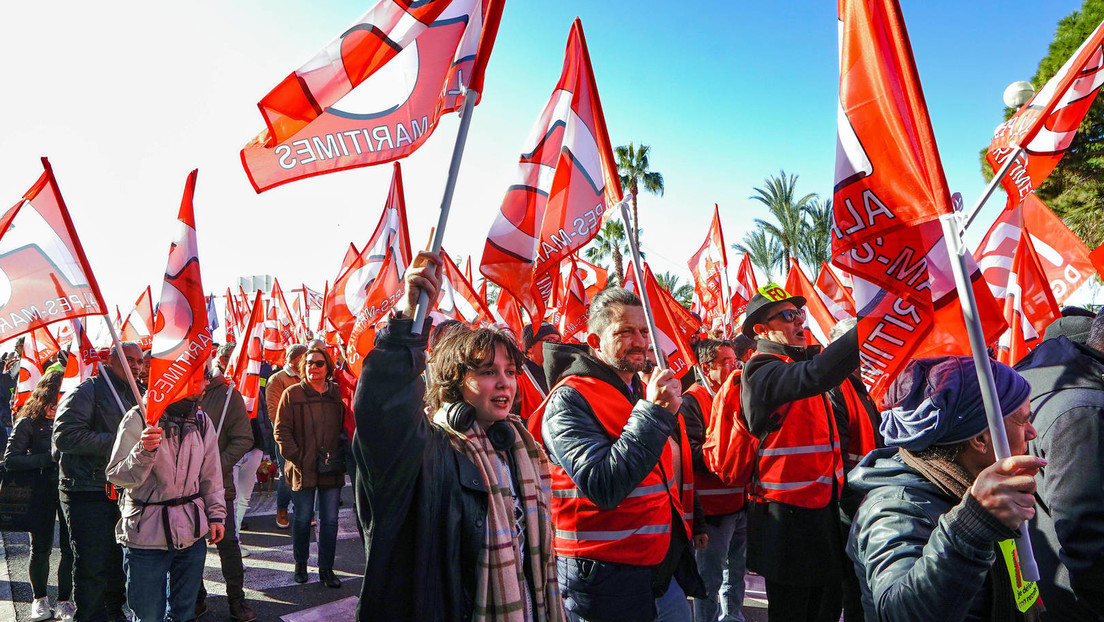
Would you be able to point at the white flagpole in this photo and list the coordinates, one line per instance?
(446, 201)
(638, 269)
(976, 209)
(989, 396)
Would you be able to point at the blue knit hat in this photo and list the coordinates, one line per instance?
(937, 401)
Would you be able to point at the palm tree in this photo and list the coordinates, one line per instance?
(610, 243)
(815, 244)
(764, 250)
(632, 165)
(682, 292)
(780, 198)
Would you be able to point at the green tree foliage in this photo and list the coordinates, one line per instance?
(815, 245)
(610, 244)
(1075, 190)
(682, 292)
(764, 250)
(780, 197)
(634, 169)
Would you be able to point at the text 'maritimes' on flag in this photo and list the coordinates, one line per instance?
(376, 93)
(889, 193)
(182, 337)
(44, 275)
(1046, 125)
(567, 179)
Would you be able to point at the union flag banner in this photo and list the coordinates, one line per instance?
(458, 300)
(30, 372)
(833, 294)
(138, 325)
(44, 275)
(385, 291)
(818, 319)
(567, 179)
(1063, 256)
(182, 337)
(314, 299)
(707, 267)
(273, 340)
(376, 93)
(347, 296)
(1029, 304)
(889, 193)
(672, 336)
(744, 288)
(573, 304)
(244, 368)
(82, 357)
(507, 311)
(283, 314)
(45, 346)
(1097, 257)
(1046, 124)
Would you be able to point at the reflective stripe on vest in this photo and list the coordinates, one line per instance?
(717, 499)
(613, 535)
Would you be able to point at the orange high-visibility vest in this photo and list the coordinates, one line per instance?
(860, 440)
(717, 498)
(638, 530)
(800, 463)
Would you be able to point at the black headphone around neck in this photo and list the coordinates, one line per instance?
(461, 416)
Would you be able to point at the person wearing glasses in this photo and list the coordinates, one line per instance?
(794, 537)
(309, 432)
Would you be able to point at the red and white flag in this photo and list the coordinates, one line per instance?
(376, 93)
(283, 314)
(572, 303)
(818, 318)
(244, 369)
(1063, 256)
(82, 357)
(347, 296)
(673, 333)
(44, 275)
(744, 288)
(459, 300)
(889, 193)
(30, 372)
(384, 292)
(182, 337)
(567, 180)
(1029, 304)
(273, 340)
(708, 267)
(507, 311)
(138, 325)
(1046, 124)
(833, 294)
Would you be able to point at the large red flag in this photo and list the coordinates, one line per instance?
(506, 310)
(182, 337)
(890, 191)
(1046, 124)
(707, 267)
(376, 93)
(138, 325)
(818, 318)
(673, 336)
(567, 179)
(82, 357)
(244, 368)
(386, 290)
(44, 275)
(744, 288)
(283, 314)
(1063, 256)
(347, 296)
(572, 303)
(459, 300)
(273, 341)
(30, 372)
(833, 294)
(1029, 306)
(1097, 257)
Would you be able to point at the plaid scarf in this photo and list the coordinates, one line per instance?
(500, 592)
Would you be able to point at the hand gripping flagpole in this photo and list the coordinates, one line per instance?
(634, 248)
(976, 209)
(466, 108)
(989, 396)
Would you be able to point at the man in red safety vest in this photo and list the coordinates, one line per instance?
(721, 561)
(794, 537)
(622, 479)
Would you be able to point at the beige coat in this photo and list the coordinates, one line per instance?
(175, 471)
(274, 390)
(307, 421)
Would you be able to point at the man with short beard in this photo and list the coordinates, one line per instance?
(622, 480)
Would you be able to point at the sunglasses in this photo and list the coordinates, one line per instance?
(789, 315)
(316, 363)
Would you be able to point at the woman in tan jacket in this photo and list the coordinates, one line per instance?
(309, 433)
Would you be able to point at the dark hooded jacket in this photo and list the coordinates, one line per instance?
(422, 504)
(606, 470)
(87, 421)
(920, 553)
(1067, 399)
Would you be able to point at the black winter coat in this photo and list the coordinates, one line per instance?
(84, 431)
(422, 504)
(29, 446)
(1067, 399)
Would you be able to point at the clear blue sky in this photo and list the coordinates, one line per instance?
(126, 101)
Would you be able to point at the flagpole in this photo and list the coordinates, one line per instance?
(989, 395)
(446, 201)
(126, 366)
(1001, 172)
(661, 360)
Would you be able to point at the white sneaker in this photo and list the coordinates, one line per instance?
(40, 610)
(244, 551)
(66, 610)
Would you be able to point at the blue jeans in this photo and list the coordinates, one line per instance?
(671, 607)
(722, 565)
(150, 571)
(302, 513)
(283, 491)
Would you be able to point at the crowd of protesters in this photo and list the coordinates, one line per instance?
(620, 494)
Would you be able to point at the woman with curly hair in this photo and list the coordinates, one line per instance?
(456, 505)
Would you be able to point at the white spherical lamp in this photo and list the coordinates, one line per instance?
(1018, 93)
